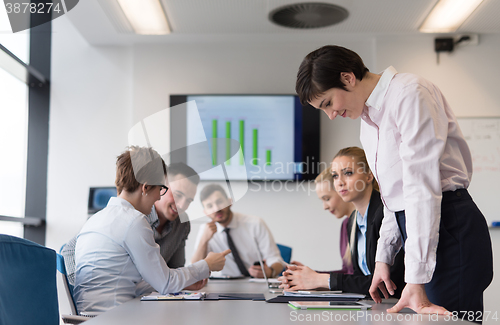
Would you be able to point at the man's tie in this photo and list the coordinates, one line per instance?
(236, 255)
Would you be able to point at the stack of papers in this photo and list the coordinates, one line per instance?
(175, 296)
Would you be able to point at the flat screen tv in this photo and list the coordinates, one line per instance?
(278, 138)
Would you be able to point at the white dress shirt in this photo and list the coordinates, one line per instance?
(416, 150)
(244, 230)
(361, 225)
(115, 251)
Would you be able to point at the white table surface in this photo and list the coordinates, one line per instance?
(251, 312)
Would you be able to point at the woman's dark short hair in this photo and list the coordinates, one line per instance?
(320, 70)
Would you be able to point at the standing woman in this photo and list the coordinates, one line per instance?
(423, 165)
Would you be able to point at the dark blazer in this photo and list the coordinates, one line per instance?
(358, 282)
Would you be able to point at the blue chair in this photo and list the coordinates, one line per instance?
(61, 267)
(28, 289)
(286, 252)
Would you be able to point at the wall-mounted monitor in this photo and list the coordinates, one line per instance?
(279, 138)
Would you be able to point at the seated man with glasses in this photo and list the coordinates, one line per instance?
(115, 251)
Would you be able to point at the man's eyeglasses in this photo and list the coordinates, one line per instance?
(163, 190)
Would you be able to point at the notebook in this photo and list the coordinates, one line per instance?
(329, 305)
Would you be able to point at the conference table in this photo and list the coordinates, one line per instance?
(251, 312)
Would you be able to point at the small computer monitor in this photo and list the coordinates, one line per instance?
(99, 197)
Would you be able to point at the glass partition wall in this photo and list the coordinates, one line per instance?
(24, 107)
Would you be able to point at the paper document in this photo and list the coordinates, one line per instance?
(175, 296)
(329, 305)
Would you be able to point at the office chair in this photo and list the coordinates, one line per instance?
(75, 317)
(286, 252)
(61, 267)
(28, 289)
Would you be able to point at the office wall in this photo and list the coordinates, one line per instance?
(98, 93)
(90, 114)
(467, 77)
(91, 109)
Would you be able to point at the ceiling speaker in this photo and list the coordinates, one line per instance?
(308, 15)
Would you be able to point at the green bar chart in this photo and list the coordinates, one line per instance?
(255, 146)
(260, 127)
(225, 155)
(242, 142)
(228, 143)
(214, 142)
(268, 157)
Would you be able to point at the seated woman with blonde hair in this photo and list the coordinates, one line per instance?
(340, 209)
(354, 182)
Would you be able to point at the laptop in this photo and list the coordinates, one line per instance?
(271, 285)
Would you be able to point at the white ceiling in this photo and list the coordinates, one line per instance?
(209, 20)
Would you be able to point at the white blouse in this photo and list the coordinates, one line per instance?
(115, 251)
(416, 151)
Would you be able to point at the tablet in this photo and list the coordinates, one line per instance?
(329, 305)
(226, 277)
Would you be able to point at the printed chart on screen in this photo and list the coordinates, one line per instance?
(262, 125)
